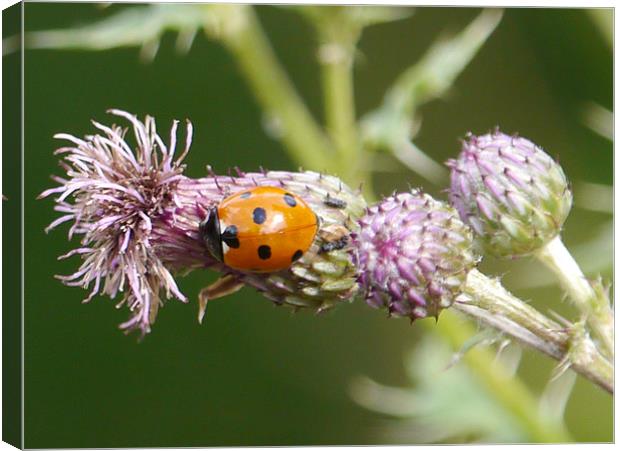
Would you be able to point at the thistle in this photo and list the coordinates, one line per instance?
(139, 219)
(513, 194)
(140, 222)
(416, 257)
(516, 198)
(116, 199)
(414, 254)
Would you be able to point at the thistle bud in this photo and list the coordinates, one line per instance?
(139, 218)
(414, 254)
(514, 195)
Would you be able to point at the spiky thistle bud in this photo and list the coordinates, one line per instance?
(514, 195)
(414, 254)
(139, 218)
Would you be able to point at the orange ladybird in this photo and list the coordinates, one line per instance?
(262, 229)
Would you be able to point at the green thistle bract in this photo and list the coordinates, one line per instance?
(514, 195)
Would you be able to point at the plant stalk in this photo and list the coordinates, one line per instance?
(490, 303)
(239, 29)
(594, 306)
(337, 77)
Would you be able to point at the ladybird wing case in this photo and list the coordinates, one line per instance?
(265, 229)
(266, 253)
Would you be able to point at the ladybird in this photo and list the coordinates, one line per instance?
(262, 229)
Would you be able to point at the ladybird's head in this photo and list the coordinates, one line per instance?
(210, 233)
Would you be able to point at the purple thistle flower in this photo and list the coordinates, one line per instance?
(116, 198)
(414, 254)
(513, 194)
(139, 218)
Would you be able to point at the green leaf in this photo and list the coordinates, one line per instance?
(445, 403)
(556, 395)
(436, 72)
(354, 16)
(366, 16)
(599, 119)
(603, 18)
(129, 27)
(391, 126)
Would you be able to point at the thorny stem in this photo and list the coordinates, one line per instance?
(487, 301)
(239, 29)
(593, 306)
(508, 390)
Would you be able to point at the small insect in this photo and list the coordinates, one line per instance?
(334, 202)
(262, 229)
(334, 237)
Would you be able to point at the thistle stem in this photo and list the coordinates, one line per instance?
(593, 306)
(337, 76)
(415, 159)
(241, 32)
(487, 301)
(506, 389)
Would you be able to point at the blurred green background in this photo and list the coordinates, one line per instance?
(254, 374)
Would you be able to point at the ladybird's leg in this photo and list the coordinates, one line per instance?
(223, 286)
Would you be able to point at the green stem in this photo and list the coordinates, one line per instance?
(505, 387)
(594, 306)
(337, 76)
(489, 302)
(411, 156)
(239, 29)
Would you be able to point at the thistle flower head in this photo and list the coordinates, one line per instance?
(113, 195)
(413, 255)
(139, 218)
(514, 195)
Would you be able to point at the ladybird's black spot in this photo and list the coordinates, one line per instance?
(290, 200)
(264, 252)
(297, 255)
(245, 195)
(259, 215)
(334, 202)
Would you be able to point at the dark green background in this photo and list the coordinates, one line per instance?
(11, 237)
(255, 374)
